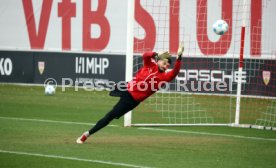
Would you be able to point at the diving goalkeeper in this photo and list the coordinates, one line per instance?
(145, 83)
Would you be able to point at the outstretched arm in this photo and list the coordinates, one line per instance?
(172, 74)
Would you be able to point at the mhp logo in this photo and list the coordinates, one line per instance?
(5, 66)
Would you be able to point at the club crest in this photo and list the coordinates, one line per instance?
(266, 77)
(41, 66)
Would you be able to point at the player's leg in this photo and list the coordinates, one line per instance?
(125, 104)
(118, 110)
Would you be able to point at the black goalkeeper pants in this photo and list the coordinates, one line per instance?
(125, 104)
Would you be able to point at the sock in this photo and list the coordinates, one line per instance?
(86, 134)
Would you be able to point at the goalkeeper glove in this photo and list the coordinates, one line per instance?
(180, 51)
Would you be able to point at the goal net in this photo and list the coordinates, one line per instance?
(220, 82)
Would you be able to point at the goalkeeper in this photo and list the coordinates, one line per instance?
(146, 82)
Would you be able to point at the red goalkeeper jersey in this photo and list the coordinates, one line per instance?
(148, 79)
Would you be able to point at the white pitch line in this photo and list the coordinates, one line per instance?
(51, 121)
(72, 158)
(207, 133)
(152, 129)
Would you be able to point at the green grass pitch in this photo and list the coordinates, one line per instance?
(40, 131)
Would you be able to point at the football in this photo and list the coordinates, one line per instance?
(50, 90)
(220, 27)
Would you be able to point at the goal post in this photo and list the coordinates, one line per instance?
(242, 62)
(238, 98)
(129, 51)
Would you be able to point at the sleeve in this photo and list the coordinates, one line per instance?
(147, 58)
(172, 74)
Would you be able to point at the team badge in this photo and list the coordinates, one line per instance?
(41, 66)
(266, 77)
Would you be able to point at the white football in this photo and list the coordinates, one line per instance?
(220, 27)
(50, 90)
